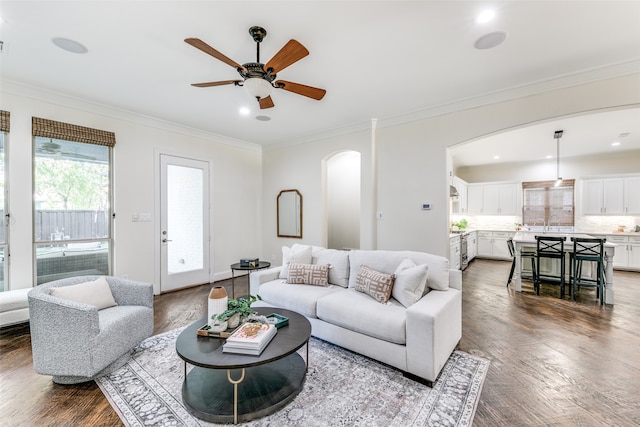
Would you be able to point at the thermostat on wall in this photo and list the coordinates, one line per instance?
(426, 206)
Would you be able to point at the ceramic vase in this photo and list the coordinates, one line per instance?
(217, 302)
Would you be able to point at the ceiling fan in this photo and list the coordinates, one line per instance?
(259, 78)
(55, 150)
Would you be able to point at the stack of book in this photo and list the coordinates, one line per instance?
(250, 338)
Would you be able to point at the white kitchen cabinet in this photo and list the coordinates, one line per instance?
(493, 244)
(627, 253)
(459, 204)
(493, 199)
(472, 245)
(474, 198)
(454, 252)
(632, 195)
(603, 196)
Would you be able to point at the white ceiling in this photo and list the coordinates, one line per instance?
(390, 60)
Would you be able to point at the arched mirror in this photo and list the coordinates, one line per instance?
(289, 203)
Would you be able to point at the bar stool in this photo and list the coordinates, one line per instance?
(550, 247)
(590, 250)
(523, 256)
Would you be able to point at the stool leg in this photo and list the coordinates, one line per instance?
(513, 267)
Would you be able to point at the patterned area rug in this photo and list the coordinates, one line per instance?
(342, 388)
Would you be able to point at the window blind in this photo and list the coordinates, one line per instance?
(4, 121)
(544, 203)
(59, 130)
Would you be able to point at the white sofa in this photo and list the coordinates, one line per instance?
(417, 339)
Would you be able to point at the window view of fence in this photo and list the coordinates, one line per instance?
(72, 232)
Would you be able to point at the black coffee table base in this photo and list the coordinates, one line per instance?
(209, 395)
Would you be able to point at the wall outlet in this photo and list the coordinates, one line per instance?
(135, 217)
(145, 217)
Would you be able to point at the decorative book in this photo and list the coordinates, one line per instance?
(250, 338)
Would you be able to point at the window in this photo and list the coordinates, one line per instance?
(4, 229)
(544, 203)
(71, 199)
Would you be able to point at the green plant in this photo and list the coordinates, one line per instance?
(240, 306)
(462, 224)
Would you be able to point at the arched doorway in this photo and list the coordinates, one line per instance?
(343, 200)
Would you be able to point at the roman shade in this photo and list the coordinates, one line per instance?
(4, 121)
(59, 130)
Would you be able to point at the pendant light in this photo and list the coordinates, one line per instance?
(557, 135)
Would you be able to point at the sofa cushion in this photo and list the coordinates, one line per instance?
(374, 283)
(297, 253)
(299, 298)
(339, 261)
(96, 292)
(358, 312)
(308, 274)
(388, 261)
(411, 281)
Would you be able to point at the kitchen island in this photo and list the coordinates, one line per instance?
(527, 239)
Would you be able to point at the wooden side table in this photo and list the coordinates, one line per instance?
(237, 266)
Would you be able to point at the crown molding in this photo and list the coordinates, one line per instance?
(57, 98)
(564, 81)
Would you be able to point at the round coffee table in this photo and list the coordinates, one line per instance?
(232, 388)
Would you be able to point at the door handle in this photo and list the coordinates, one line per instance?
(166, 240)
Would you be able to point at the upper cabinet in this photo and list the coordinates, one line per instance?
(493, 199)
(611, 196)
(459, 203)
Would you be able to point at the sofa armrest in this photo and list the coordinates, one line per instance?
(259, 277)
(434, 328)
(131, 292)
(455, 279)
(60, 330)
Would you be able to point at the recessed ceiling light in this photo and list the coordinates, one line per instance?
(491, 40)
(615, 143)
(244, 111)
(549, 156)
(69, 45)
(485, 16)
(263, 118)
(496, 157)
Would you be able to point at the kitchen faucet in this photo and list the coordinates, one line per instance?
(544, 224)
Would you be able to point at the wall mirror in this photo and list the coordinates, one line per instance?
(289, 205)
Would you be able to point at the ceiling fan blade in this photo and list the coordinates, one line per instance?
(199, 44)
(265, 102)
(291, 52)
(300, 89)
(220, 83)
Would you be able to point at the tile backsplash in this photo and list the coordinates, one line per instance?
(592, 224)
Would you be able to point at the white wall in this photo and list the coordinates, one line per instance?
(302, 167)
(235, 183)
(412, 164)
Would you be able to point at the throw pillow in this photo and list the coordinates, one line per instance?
(411, 281)
(300, 254)
(374, 283)
(96, 292)
(308, 274)
(339, 261)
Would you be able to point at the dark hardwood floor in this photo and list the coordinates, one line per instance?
(553, 362)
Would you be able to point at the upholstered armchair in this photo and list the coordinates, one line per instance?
(76, 342)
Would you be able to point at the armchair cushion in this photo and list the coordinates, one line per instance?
(96, 292)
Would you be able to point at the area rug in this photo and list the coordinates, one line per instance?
(342, 388)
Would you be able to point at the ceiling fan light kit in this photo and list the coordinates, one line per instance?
(259, 78)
